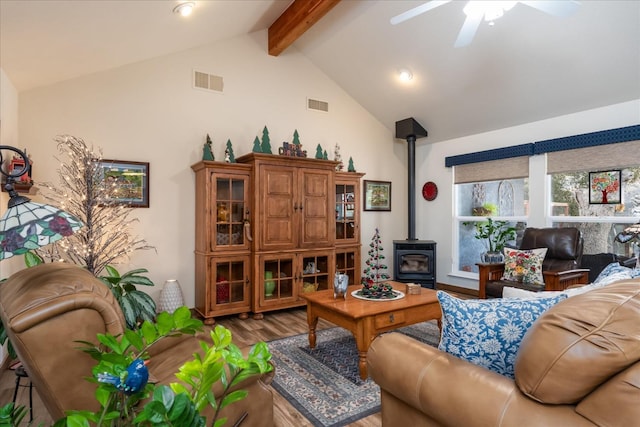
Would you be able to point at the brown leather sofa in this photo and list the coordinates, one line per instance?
(578, 365)
(47, 308)
(560, 268)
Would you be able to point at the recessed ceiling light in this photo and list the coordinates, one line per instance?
(184, 9)
(405, 75)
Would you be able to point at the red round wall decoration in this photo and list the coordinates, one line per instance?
(429, 191)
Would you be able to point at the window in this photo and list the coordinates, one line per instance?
(599, 223)
(505, 199)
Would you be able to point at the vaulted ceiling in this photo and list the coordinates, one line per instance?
(529, 66)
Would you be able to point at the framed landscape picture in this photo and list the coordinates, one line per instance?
(377, 195)
(605, 188)
(129, 182)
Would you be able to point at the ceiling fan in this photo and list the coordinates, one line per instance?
(476, 10)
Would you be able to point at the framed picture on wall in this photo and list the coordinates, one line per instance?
(605, 188)
(377, 195)
(129, 182)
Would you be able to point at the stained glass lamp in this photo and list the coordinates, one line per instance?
(27, 225)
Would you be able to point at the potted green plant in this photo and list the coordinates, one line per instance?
(496, 235)
(128, 399)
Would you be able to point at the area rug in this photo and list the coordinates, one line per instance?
(323, 383)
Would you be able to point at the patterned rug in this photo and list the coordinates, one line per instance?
(324, 383)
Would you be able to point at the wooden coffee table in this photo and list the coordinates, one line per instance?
(368, 319)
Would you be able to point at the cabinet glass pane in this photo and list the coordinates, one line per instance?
(237, 189)
(223, 189)
(315, 275)
(278, 279)
(345, 211)
(345, 264)
(230, 207)
(230, 282)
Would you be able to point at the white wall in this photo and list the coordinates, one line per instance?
(434, 219)
(8, 136)
(149, 111)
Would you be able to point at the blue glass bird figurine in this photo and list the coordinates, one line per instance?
(131, 380)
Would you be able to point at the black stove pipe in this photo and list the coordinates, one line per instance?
(411, 185)
(409, 129)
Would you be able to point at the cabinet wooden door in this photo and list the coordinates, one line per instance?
(277, 222)
(276, 280)
(230, 193)
(348, 262)
(223, 286)
(347, 208)
(315, 208)
(295, 207)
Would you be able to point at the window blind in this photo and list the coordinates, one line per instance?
(603, 157)
(493, 170)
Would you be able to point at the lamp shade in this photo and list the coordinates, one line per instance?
(30, 225)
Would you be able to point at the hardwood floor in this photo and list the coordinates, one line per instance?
(275, 325)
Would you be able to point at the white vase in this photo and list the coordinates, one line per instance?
(170, 296)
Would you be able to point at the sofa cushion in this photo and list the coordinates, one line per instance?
(488, 332)
(580, 343)
(612, 273)
(526, 263)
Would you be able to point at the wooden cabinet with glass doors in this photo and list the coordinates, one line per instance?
(283, 277)
(223, 250)
(347, 220)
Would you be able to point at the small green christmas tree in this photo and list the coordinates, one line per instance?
(325, 155)
(351, 168)
(319, 152)
(266, 142)
(296, 137)
(374, 274)
(232, 158)
(256, 146)
(207, 152)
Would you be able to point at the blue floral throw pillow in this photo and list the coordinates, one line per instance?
(488, 332)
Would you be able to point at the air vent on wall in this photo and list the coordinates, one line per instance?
(314, 104)
(207, 81)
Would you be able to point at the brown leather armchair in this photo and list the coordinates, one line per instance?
(47, 308)
(578, 365)
(560, 268)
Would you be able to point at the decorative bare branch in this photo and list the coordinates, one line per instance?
(105, 237)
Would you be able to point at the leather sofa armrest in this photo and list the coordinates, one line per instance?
(453, 392)
(448, 389)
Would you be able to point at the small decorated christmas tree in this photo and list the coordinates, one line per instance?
(256, 146)
(207, 152)
(374, 275)
(319, 152)
(266, 141)
(351, 168)
(338, 158)
(232, 157)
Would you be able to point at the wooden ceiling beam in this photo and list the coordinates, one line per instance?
(298, 18)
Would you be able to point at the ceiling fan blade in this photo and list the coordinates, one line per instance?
(468, 30)
(554, 8)
(417, 11)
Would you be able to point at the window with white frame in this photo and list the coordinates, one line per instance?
(498, 189)
(571, 178)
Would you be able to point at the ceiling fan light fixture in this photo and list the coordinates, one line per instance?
(490, 10)
(405, 75)
(184, 9)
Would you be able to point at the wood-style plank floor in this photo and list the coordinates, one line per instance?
(275, 325)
